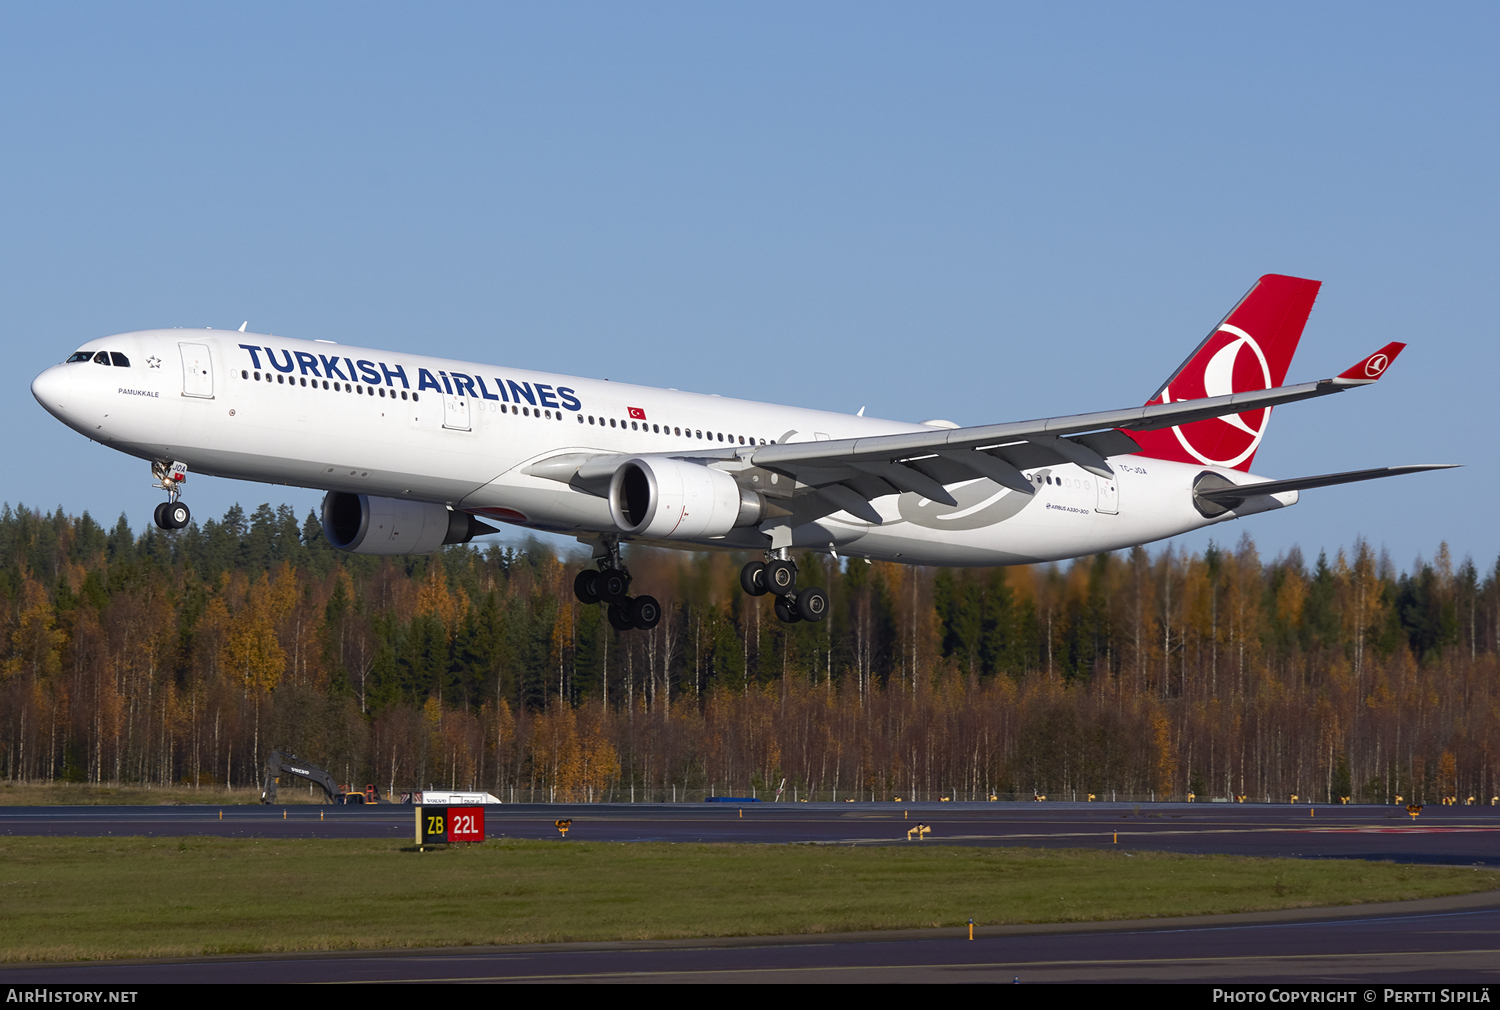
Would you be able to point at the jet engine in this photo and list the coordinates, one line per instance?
(672, 499)
(364, 524)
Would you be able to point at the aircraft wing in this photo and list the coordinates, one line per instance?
(847, 474)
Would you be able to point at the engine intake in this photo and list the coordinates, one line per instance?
(672, 499)
(363, 524)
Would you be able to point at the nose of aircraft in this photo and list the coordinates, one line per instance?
(53, 388)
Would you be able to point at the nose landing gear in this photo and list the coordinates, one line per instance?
(610, 583)
(171, 514)
(778, 574)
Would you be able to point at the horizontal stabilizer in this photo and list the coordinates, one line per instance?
(1233, 495)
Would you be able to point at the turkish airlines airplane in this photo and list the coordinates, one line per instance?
(413, 450)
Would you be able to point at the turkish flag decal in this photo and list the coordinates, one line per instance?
(637, 414)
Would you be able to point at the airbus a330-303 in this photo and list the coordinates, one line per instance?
(416, 452)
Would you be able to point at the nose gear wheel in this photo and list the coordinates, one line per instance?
(172, 514)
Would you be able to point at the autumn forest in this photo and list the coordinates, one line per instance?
(182, 658)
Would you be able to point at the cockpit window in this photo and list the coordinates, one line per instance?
(119, 359)
(80, 356)
(102, 358)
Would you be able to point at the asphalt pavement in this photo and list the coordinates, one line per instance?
(1456, 835)
(1439, 941)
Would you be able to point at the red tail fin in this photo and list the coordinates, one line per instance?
(1251, 349)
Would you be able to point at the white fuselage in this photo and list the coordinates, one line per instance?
(398, 425)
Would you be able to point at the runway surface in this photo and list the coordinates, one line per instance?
(1450, 941)
(1440, 941)
(1456, 835)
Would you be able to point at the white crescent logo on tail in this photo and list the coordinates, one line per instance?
(1218, 380)
(1376, 365)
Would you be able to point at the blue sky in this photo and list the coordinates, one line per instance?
(981, 212)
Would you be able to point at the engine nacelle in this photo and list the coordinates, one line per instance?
(671, 499)
(363, 524)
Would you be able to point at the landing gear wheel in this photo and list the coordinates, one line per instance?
(614, 585)
(645, 613)
(586, 586)
(619, 619)
(753, 578)
(780, 576)
(173, 515)
(812, 604)
(786, 611)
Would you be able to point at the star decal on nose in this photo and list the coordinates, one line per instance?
(153, 362)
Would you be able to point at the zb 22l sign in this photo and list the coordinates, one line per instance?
(441, 825)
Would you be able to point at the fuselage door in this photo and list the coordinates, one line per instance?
(197, 370)
(1109, 496)
(456, 411)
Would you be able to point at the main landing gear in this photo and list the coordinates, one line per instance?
(778, 574)
(171, 514)
(610, 583)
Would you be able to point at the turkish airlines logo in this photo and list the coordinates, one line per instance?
(1376, 365)
(1236, 364)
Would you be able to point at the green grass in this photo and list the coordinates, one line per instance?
(48, 794)
(87, 898)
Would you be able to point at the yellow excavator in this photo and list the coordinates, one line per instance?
(279, 763)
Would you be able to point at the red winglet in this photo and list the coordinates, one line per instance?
(1374, 366)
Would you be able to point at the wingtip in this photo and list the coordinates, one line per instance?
(1372, 366)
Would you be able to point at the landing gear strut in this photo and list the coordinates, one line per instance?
(171, 514)
(778, 574)
(609, 583)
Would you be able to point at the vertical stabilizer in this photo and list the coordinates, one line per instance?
(1251, 349)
